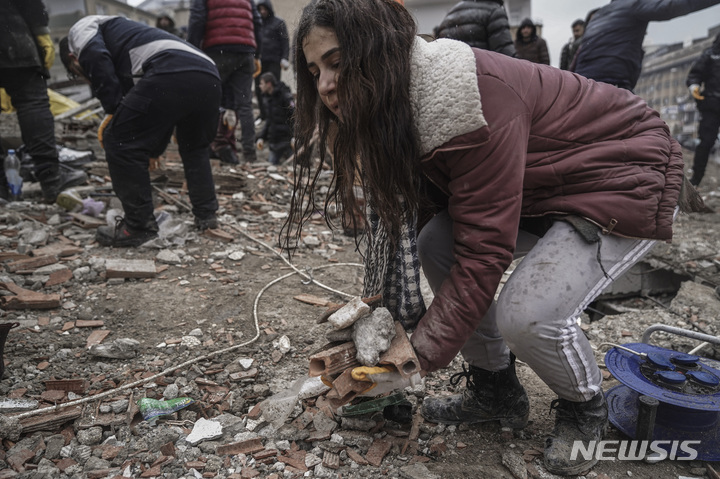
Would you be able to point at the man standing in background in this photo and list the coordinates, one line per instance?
(26, 55)
(570, 49)
(479, 23)
(229, 32)
(706, 71)
(275, 47)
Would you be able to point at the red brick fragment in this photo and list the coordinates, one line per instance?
(377, 451)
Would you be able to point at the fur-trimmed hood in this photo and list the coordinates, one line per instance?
(443, 91)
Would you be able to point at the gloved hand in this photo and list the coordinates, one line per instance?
(260, 144)
(695, 92)
(229, 118)
(48, 48)
(101, 128)
(258, 68)
(284, 64)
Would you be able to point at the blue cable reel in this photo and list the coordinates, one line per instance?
(687, 390)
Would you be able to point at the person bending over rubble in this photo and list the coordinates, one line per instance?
(149, 82)
(513, 159)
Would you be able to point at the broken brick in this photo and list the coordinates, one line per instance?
(377, 451)
(243, 447)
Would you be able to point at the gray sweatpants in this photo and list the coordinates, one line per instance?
(536, 313)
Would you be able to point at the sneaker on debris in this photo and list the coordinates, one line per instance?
(122, 236)
(575, 421)
(123, 348)
(207, 223)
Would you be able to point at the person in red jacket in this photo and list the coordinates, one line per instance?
(493, 158)
(229, 32)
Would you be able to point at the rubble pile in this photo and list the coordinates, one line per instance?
(195, 356)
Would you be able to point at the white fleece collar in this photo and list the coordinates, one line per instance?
(444, 92)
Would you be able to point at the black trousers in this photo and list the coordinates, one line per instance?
(708, 133)
(141, 129)
(28, 91)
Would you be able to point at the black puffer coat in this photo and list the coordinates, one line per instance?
(479, 23)
(20, 22)
(611, 49)
(275, 39)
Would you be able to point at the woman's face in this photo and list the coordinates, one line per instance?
(322, 53)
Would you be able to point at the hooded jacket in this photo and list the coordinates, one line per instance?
(22, 20)
(505, 139)
(116, 53)
(611, 49)
(535, 49)
(275, 39)
(479, 23)
(279, 110)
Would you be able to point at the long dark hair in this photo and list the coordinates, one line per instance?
(376, 143)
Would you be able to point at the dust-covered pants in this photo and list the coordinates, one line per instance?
(536, 312)
(141, 129)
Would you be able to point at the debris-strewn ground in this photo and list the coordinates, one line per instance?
(222, 319)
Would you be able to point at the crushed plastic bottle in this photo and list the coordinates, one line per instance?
(12, 173)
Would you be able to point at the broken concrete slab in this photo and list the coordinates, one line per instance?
(130, 268)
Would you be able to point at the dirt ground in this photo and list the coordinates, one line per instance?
(239, 301)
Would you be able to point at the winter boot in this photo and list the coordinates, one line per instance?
(123, 236)
(54, 180)
(574, 421)
(488, 396)
(4, 330)
(203, 224)
(228, 155)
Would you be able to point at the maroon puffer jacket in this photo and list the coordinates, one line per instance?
(229, 22)
(555, 142)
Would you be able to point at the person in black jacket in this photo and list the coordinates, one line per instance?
(150, 83)
(570, 48)
(706, 71)
(611, 50)
(275, 47)
(279, 106)
(479, 23)
(26, 55)
(529, 46)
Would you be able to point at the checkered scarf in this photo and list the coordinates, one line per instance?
(394, 272)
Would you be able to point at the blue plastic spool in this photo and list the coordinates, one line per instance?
(687, 387)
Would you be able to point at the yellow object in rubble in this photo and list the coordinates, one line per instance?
(58, 103)
(365, 373)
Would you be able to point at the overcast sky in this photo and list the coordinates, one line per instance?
(557, 15)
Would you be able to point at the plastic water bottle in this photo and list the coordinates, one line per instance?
(12, 173)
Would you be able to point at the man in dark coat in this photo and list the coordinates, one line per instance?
(229, 32)
(279, 106)
(529, 46)
(570, 48)
(479, 23)
(150, 83)
(611, 49)
(26, 55)
(275, 47)
(706, 71)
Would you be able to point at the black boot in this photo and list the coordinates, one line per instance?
(123, 236)
(575, 421)
(54, 180)
(228, 155)
(489, 396)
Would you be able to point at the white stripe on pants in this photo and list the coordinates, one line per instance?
(536, 312)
